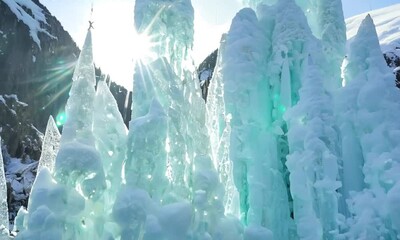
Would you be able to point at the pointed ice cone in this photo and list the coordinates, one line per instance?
(110, 135)
(4, 224)
(79, 109)
(365, 52)
(51, 144)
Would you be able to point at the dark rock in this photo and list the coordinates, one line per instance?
(393, 61)
(205, 72)
(22, 138)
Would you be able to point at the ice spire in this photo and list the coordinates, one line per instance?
(172, 41)
(371, 104)
(110, 133)
(366, 42)
(157, 81)
(219, 130)
(79, 108)
(77, 132)
(293, 46)
(50, 146)
(251, 143)
(4, 221)
(312, 163)
(326, 20)
(169, 78)
(79, 182)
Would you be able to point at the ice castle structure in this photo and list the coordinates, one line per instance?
(291, 144)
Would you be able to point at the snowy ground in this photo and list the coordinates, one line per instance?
(20, 175)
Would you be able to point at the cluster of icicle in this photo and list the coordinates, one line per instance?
(281, 150)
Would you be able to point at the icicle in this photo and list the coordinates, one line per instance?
(286, 89)
(4, 220)
(50, 146)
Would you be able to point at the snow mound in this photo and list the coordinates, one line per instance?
(387, 22)
(35, 20)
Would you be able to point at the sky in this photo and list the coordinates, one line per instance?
(114, 35)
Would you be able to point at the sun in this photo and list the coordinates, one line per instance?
(143, 48)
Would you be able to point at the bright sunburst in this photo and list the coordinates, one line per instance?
(143, 49)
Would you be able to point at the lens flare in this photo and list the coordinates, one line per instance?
(61, 119)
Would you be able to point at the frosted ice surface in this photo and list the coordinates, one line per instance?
(170, 26)
(312, 163)
(267, 166)
(254, 3)
(79, 108)
(175, 219)
(130, 212)
(245, 85)
(146, 164)
(78, 163)
(110, 133)
(50, 205)
(69, 205)
(219, 130)
(4, 222)
(326, 21)
(19, 220)
(170, 79)
(84, 68)
(258, 233)
(386, 20)
(372, 107)
(50, 146)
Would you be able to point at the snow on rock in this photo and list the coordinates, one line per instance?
(15, 98)
(30, 14)
(20, 176)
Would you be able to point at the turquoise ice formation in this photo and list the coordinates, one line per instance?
(284, 148)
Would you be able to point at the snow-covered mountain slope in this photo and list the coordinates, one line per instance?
(35, 20)
(387, 21)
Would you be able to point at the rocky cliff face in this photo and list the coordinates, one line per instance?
(39, 76)
(393, 60)
(22, 138)
(205, 72)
